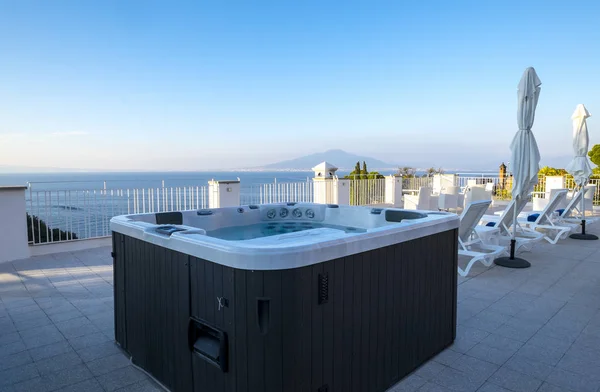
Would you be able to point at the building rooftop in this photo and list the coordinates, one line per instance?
(535, 329)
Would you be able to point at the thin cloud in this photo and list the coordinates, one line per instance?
(70, 133)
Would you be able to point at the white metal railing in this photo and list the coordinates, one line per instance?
(278, 192)
(367, 191)
(414, 183)
(65, 215)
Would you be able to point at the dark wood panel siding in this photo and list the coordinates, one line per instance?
(152, 309)
(387, 312)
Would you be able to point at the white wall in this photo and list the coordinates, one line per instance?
(13, 224)
(223, 194)
(393, 190)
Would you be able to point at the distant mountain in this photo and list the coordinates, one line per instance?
(342, 159)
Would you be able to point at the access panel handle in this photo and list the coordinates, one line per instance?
(208, 342)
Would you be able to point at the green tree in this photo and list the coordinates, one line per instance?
(594, 154)
(432, 170)
(407, 172)
(552, 171)
(364, 170)
(39, 232)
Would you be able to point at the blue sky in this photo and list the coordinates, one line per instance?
(206, 85)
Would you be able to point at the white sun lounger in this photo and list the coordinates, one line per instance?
(469, 242)
(553, 231)
(571, 213)
(524, 238)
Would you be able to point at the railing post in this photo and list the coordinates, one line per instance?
(393, 190)
(223, 194)
(13, 224)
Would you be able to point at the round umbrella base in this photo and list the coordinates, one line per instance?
(512, 263)
(580, 236)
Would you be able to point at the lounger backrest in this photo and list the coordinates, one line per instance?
(451, 190)
(424, 196)
(506, 219)
(557, 196)
(590, 191)
(573, 204)
(470, 217)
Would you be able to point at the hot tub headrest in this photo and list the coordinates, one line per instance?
(400, 215)
(169, 218)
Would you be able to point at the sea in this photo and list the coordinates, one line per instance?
(140, 180)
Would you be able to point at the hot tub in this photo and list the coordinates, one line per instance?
(284, 297)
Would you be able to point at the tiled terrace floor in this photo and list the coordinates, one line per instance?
(536, 329)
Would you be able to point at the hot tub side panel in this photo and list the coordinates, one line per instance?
(358, 323)
(152, 297)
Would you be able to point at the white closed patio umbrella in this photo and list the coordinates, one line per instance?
(525, 155)
(580, 167)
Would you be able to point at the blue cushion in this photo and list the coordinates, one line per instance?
(491, 224)
(532, 217)
(560, 211)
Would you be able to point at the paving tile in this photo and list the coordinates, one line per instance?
(499, 341)
(491, 354)
(9, 337)
(88, 340)
(521, 333)
(66, 377)
(448, 357)
(108, 364)
(429, 370)
(17, 374)
(27, 324)
(549, 342)
(457, 380)
(65, 316)
(120, 378)
(553, 388)
(432, 387)
(17, 359)
(588, 340)
(41, 336)
(58, 363)
(23, 309)
(477, 369)
(50, 350)
(537, 369)
(577, 382)
(12, 348)
(99, 351)
(90, 385)
(467, 337)
(581, 361)
(515, 381)
(489, 387)
(32, 385)
(12, 303)
(407, 384)
(77, 327)
(487, 320)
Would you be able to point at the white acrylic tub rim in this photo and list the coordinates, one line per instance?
(284, 251)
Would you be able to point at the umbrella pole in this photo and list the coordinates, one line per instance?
(583, 235)
(512, 261)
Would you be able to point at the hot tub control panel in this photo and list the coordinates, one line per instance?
(273, 213)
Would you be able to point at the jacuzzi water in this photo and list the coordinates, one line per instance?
(240, 233)
(284, 235)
